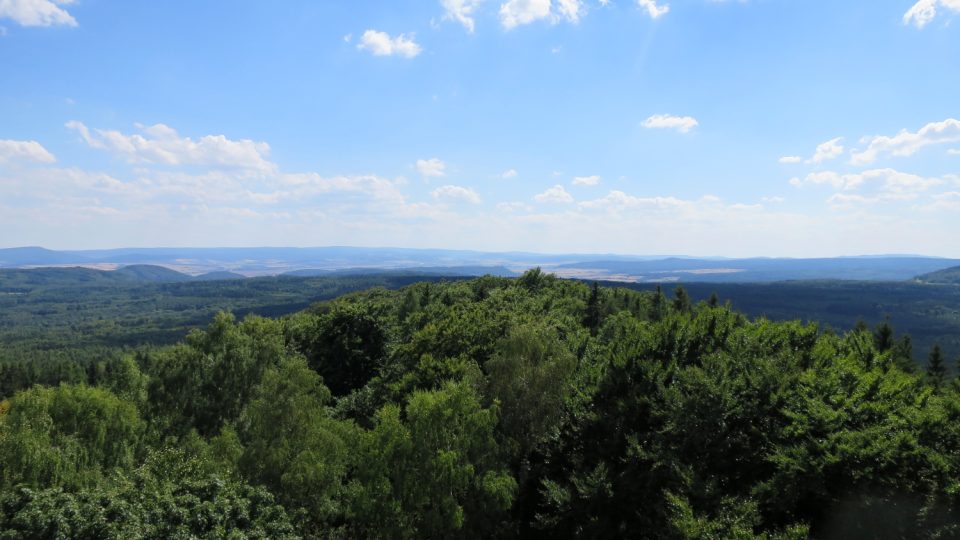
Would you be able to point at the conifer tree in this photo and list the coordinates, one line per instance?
(592, 319)
(681, 300)
(903, 354)
(937, 368)
(883, 336)
(659, 305)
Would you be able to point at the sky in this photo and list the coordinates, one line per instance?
(697, 127)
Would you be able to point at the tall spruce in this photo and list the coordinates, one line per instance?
(937, 368)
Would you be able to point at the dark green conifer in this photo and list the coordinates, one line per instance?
(936, 368)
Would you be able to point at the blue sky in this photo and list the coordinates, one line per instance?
(706, 127)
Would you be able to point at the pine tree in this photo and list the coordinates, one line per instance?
(883, 336)
(937, 368)
(903, 354)
(681, 300)
(592, 319)
(658, 307)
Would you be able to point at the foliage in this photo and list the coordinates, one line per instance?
(491, 408)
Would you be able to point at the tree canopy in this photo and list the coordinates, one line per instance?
(491, 408)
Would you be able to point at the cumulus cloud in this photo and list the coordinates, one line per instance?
(515, 13)
(683, 124)
(617, 199)
(37, 12)
(161, 144)
(508, 174)
(790, 159)
(924, 11)
(831, 149)
(431, 168)
(907, 143)
(461, 11)
(893, 184)
(381, 44)
(586, 180)
(556, 194)
(456, 193)
(24, 151)
(653, 9)
(571, 10)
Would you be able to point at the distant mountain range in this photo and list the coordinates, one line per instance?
(178, 264)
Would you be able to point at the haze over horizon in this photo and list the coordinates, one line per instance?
(444, 249)
(691, 127)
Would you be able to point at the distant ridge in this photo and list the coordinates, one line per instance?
(12, 279)
(218, 276)
(147, 272)
(947, 276)
(234, 263)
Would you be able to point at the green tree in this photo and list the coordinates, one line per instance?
(432, 471)
(293, 447)
(937, 368)
(594, 315)
(883, 337)
(529, 375)
(176, 502)
(346, 346)
(206, 382)
(681, 300)
(67, 436)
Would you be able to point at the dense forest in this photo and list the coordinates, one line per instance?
(488, 408)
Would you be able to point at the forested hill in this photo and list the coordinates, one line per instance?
(23, 280)
(492, 408)
(949, 275)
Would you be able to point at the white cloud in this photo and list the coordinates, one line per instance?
(511, 207)
(618, 200)
(907, 143)
(24, 150)
(162, 144)
(948, 201)
(431, 168)
(456, 193)
(683, 124)
(831, 149)
(653, 9)
(925, 11)
(37, 12)
(847, 200)
(790, 159)
(381, 44)
(571, 10)
(773, 200)
(586, 180)
(461, 11)
(556, 194)
(514, 13)
(892, 184)
(508, 174)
